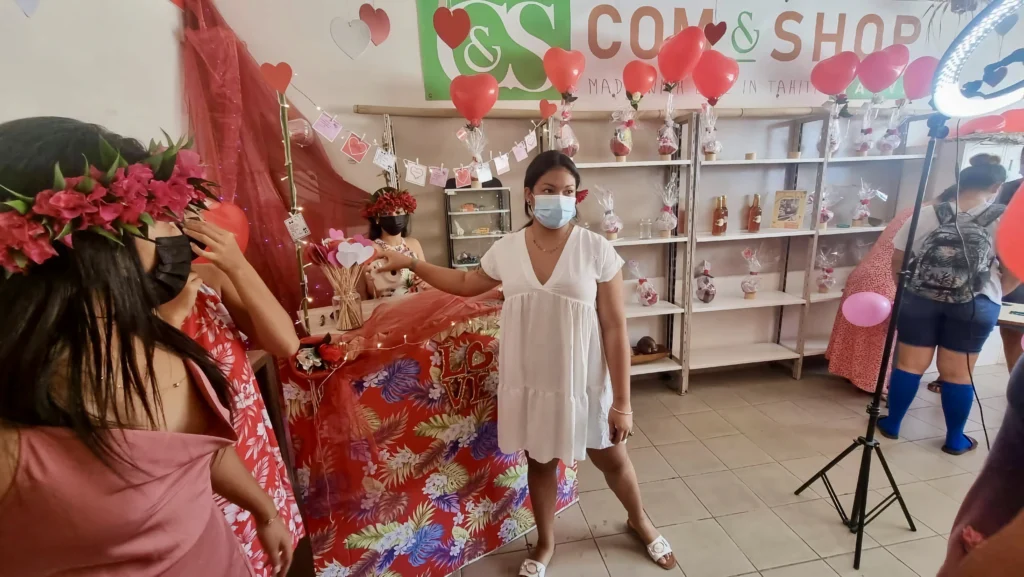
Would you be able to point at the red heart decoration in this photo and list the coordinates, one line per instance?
(714, 75)
(879, 70)
(833, 75)
(232, 219)
(475, 349)
(899, 54)
(714, 32)
(179, 3)
(474, 96)
(564, 68)
(278, 76)
(638, 77)
(378, 22)
(451, 25)
(680, 53)
(546, 109)
(917, 78)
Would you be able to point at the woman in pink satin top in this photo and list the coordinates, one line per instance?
(114, 434)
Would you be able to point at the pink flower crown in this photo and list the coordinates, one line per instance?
(123, 199)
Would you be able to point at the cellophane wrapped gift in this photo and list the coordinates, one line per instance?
(667, 220)
(567, 141)
(668, 136)
(705, 284)
(622, 138)
(891, 140)
(611, 224)
(861, 248)
(709, 140)
(837, 109)
(865, 139)
(645, 293)
(752, 283)
(829, 199)
(828, 257)
(475, 142)
(863, 210)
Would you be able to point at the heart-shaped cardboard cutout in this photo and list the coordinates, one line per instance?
(546, 109)
(352, 36)
(364, 253)
(278, 76)
(451, 25)
(714, 32)
(378, 22)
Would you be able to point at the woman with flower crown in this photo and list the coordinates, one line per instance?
(115, 430)
(388, 211)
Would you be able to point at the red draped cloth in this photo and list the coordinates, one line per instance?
(235, 120)
(396, 448)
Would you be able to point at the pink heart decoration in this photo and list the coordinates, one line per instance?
(335, 234)
(378, 22)
(332, 257)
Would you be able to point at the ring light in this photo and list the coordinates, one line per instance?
(949, 99)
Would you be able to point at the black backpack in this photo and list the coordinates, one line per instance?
(942, 270)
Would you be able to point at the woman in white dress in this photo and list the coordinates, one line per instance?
(564, 357)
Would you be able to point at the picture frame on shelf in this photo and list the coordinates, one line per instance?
(789, 209)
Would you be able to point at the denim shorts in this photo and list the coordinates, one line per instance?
(961, 328)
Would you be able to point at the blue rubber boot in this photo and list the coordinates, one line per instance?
(956, 406)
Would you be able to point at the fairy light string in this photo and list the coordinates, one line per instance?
(294, 209)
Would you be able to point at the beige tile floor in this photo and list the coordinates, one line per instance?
(718, 468)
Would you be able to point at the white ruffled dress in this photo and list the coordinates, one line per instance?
(554, 392)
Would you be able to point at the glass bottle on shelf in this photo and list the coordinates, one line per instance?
(646, 228)
(754, 215)
(720, 218)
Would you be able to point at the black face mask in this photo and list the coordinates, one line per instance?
(173, 265)
(393, 225)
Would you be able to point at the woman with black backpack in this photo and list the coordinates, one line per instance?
(951, 301)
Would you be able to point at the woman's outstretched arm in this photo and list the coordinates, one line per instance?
(457, 282)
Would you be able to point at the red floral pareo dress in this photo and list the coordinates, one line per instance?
(211, 326)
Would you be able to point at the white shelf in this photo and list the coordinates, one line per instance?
(739, 354)
(756, 161)
(812, 346)
(632, 164)
(472, 236)
(635, 310)
(488, 211)
(878, 157)
(732, 302)
(834, 294)
(471, 189)
(634, 240)
(666, 365)
(744, 235)
(851, 230)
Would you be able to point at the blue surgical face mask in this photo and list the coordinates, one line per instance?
(554, 210)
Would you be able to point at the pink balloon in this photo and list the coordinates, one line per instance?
(866, 309)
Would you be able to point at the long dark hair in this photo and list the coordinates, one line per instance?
(69, 327)
(541, 165)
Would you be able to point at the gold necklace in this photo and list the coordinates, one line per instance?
(551, 251)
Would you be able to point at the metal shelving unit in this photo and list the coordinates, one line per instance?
(501, 215)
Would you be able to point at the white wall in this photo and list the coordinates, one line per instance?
(111, 62)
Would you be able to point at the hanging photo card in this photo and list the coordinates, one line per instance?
(439, 176)
(384, 159)
(482, 171)
(501, 164)
(327, 127)
(519, 151)
(355, 148)
(462, 177)
(531, 141)
(297, 227)
(415, 173)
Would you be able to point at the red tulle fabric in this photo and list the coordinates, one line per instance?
(236, 123)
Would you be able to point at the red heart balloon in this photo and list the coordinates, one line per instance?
(451, 25)
(547, 109)
(714, 32)
(917, 78)
(714, 75)
(278, 76)
(474, 96)
(981, 125)
(1010, 239)
(833, 75)
(900, 55)
(377, 21)
(1014, 121)
(638, 77)
(232, 219)
(680, 53)
(564, 68)
(879, 70)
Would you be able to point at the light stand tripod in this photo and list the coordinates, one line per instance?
(859, 515)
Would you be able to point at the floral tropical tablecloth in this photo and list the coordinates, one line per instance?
(395, 438)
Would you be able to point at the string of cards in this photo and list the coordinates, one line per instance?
(356, 148)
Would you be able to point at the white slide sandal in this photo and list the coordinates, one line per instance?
(531, 568)
(657, 550)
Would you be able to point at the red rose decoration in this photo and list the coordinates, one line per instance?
(330, 353)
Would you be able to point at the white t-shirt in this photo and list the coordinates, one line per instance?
(929, 221)
(554, 390)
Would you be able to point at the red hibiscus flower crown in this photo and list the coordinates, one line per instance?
(389, 200)
(112, 200)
